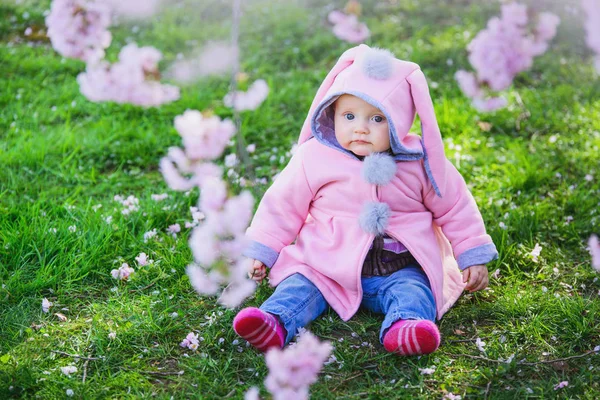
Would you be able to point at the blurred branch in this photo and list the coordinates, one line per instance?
(240, 142)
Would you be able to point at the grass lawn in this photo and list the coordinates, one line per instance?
(533, 168)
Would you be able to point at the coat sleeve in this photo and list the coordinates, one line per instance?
(457, 214)
(281, 212)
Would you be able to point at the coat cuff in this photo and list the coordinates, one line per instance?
(262, 253)
(477, 256)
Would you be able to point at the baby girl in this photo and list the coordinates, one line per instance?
(366, 213)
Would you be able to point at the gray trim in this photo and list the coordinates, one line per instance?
(428, 168)
(262, 253)
(478, 255)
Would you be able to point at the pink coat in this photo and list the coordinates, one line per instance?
(308, 221)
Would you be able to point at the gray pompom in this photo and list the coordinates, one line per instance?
(378, 63)
(374, 218)
(378, 168)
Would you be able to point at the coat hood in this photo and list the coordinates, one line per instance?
(399, 89)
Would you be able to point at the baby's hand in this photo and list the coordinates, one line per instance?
(477, 278)
(257, 271)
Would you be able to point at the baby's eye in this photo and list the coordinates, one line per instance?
(349, 116)
(378, 118)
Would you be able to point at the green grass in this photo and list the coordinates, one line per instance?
(61, 156)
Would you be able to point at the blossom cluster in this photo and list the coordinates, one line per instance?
(215, 58)
(592, 28)
(294, 369)
(123, 272)
(79, 28)
(204, 139)
(347, 27)
(133, 79)
(218, 241)
(190, 341)
(221, 237)
(505, 48)
(130, 204)
(249, 100)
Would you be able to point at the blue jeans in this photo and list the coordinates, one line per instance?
(405, 294)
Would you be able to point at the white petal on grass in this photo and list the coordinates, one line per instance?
(68, 370)
(535, 253)
(46, 305)
(480, 345)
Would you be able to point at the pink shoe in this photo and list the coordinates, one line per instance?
(412, 337)
(260, 328)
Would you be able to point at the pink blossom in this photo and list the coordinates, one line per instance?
(130, 204)
(427, 371)
(490, 104)
(294, 369)
(213, 194)
(468, 83)
(142, 259)
(501, 51)
(46, 304)
(179, 158)
(233, 247)
(561, 385)
(515, 13)
(203, 138)
(591, 9)
(132, 79)
(452, 396)
(231, 160)
(240, 286)
(347, 27)
(594, 247)
(190, 341)
(252, 394)
(203, 283)
(159, 197)
(204, 244)
(234, 294)
(173, 176)
(250, 100)
(336, 17)
(79, 28)
(123, 272)
(197, 216)
(546, 27)
(68, 370)
(237, 212)
(196, 173)
(480, 345)
(214, 58)
(535, 253)
(150, 235)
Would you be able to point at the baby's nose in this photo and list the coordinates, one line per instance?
(361, 127)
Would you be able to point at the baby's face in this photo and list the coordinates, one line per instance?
(360, 127)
